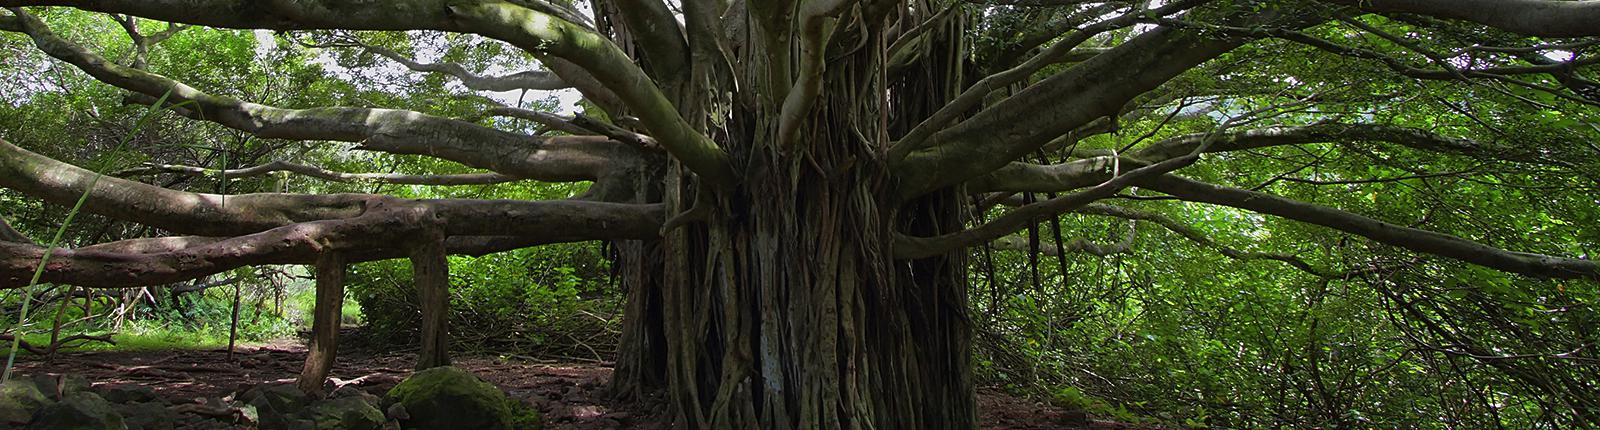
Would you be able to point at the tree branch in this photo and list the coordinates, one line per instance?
(1194, 235)
(376, 233)
(1034, 116)
(1427, 242)
(538, 32)
(8, 234)
(1544, 18)
(525, 80)
(321, 173)
(1088, 171)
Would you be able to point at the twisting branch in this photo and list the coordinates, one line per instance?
(1034, 116)
(525, 80)
(142, 42)
(546, 35)
(908, 247)
(554, 159)
(1545, 18)
(1423, 241)
(549, 120)
(321, 173)
(1200, 238)
(1088, 171)
(8, 234)
(1080, 245)
(969, 99)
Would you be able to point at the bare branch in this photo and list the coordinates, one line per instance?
(525, 80)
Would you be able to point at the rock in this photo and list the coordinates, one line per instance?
(19, 400)
(57, 387)
(79, 411)
(352, 391)
(146, 415)
(347, 413)
(277, 405)
(446, 398)
(130, 394)
(397, 412)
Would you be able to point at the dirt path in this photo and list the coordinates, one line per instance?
(571, 396)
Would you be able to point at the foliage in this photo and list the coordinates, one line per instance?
(554, 300)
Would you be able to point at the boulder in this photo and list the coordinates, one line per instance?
(278, 406)
(79, 411)
(146, 415)
(57, 387)
(448, 398)
(345, 413)
(19, 400)
(124, 393)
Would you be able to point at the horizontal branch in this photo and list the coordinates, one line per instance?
(538, 80)
(1423, 241)
(1544, 18)
(1089, 171)
(1080, 245)
(540, 31)
(909, 247)
(381, 231)
(192, 213)
(320, 173)
(1199, 238)
(553, 159)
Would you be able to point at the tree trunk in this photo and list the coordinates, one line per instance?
(431, 273)
(324, 324)
(780, 303)
(233, 324)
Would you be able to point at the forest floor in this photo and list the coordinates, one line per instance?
(570, 395)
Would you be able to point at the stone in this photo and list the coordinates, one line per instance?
(129, 394)
(146, 415)
(277, 406)
(57, 387)
(352, 391)
(78, 411)
(447, 398)
(19, 400)
(346, 413)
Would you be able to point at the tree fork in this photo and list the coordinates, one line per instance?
(324, 323)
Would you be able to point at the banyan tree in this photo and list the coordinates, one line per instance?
(792, 186)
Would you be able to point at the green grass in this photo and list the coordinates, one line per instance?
(147, 335)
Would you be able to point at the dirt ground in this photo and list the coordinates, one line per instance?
(571, 395)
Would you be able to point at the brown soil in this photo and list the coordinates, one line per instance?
(571, 395)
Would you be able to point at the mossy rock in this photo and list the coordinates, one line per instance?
(146, 415)
(277, 406)
(128, 393)
(448, 398)
(79, 411)
(347, 413)
(19, 400)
